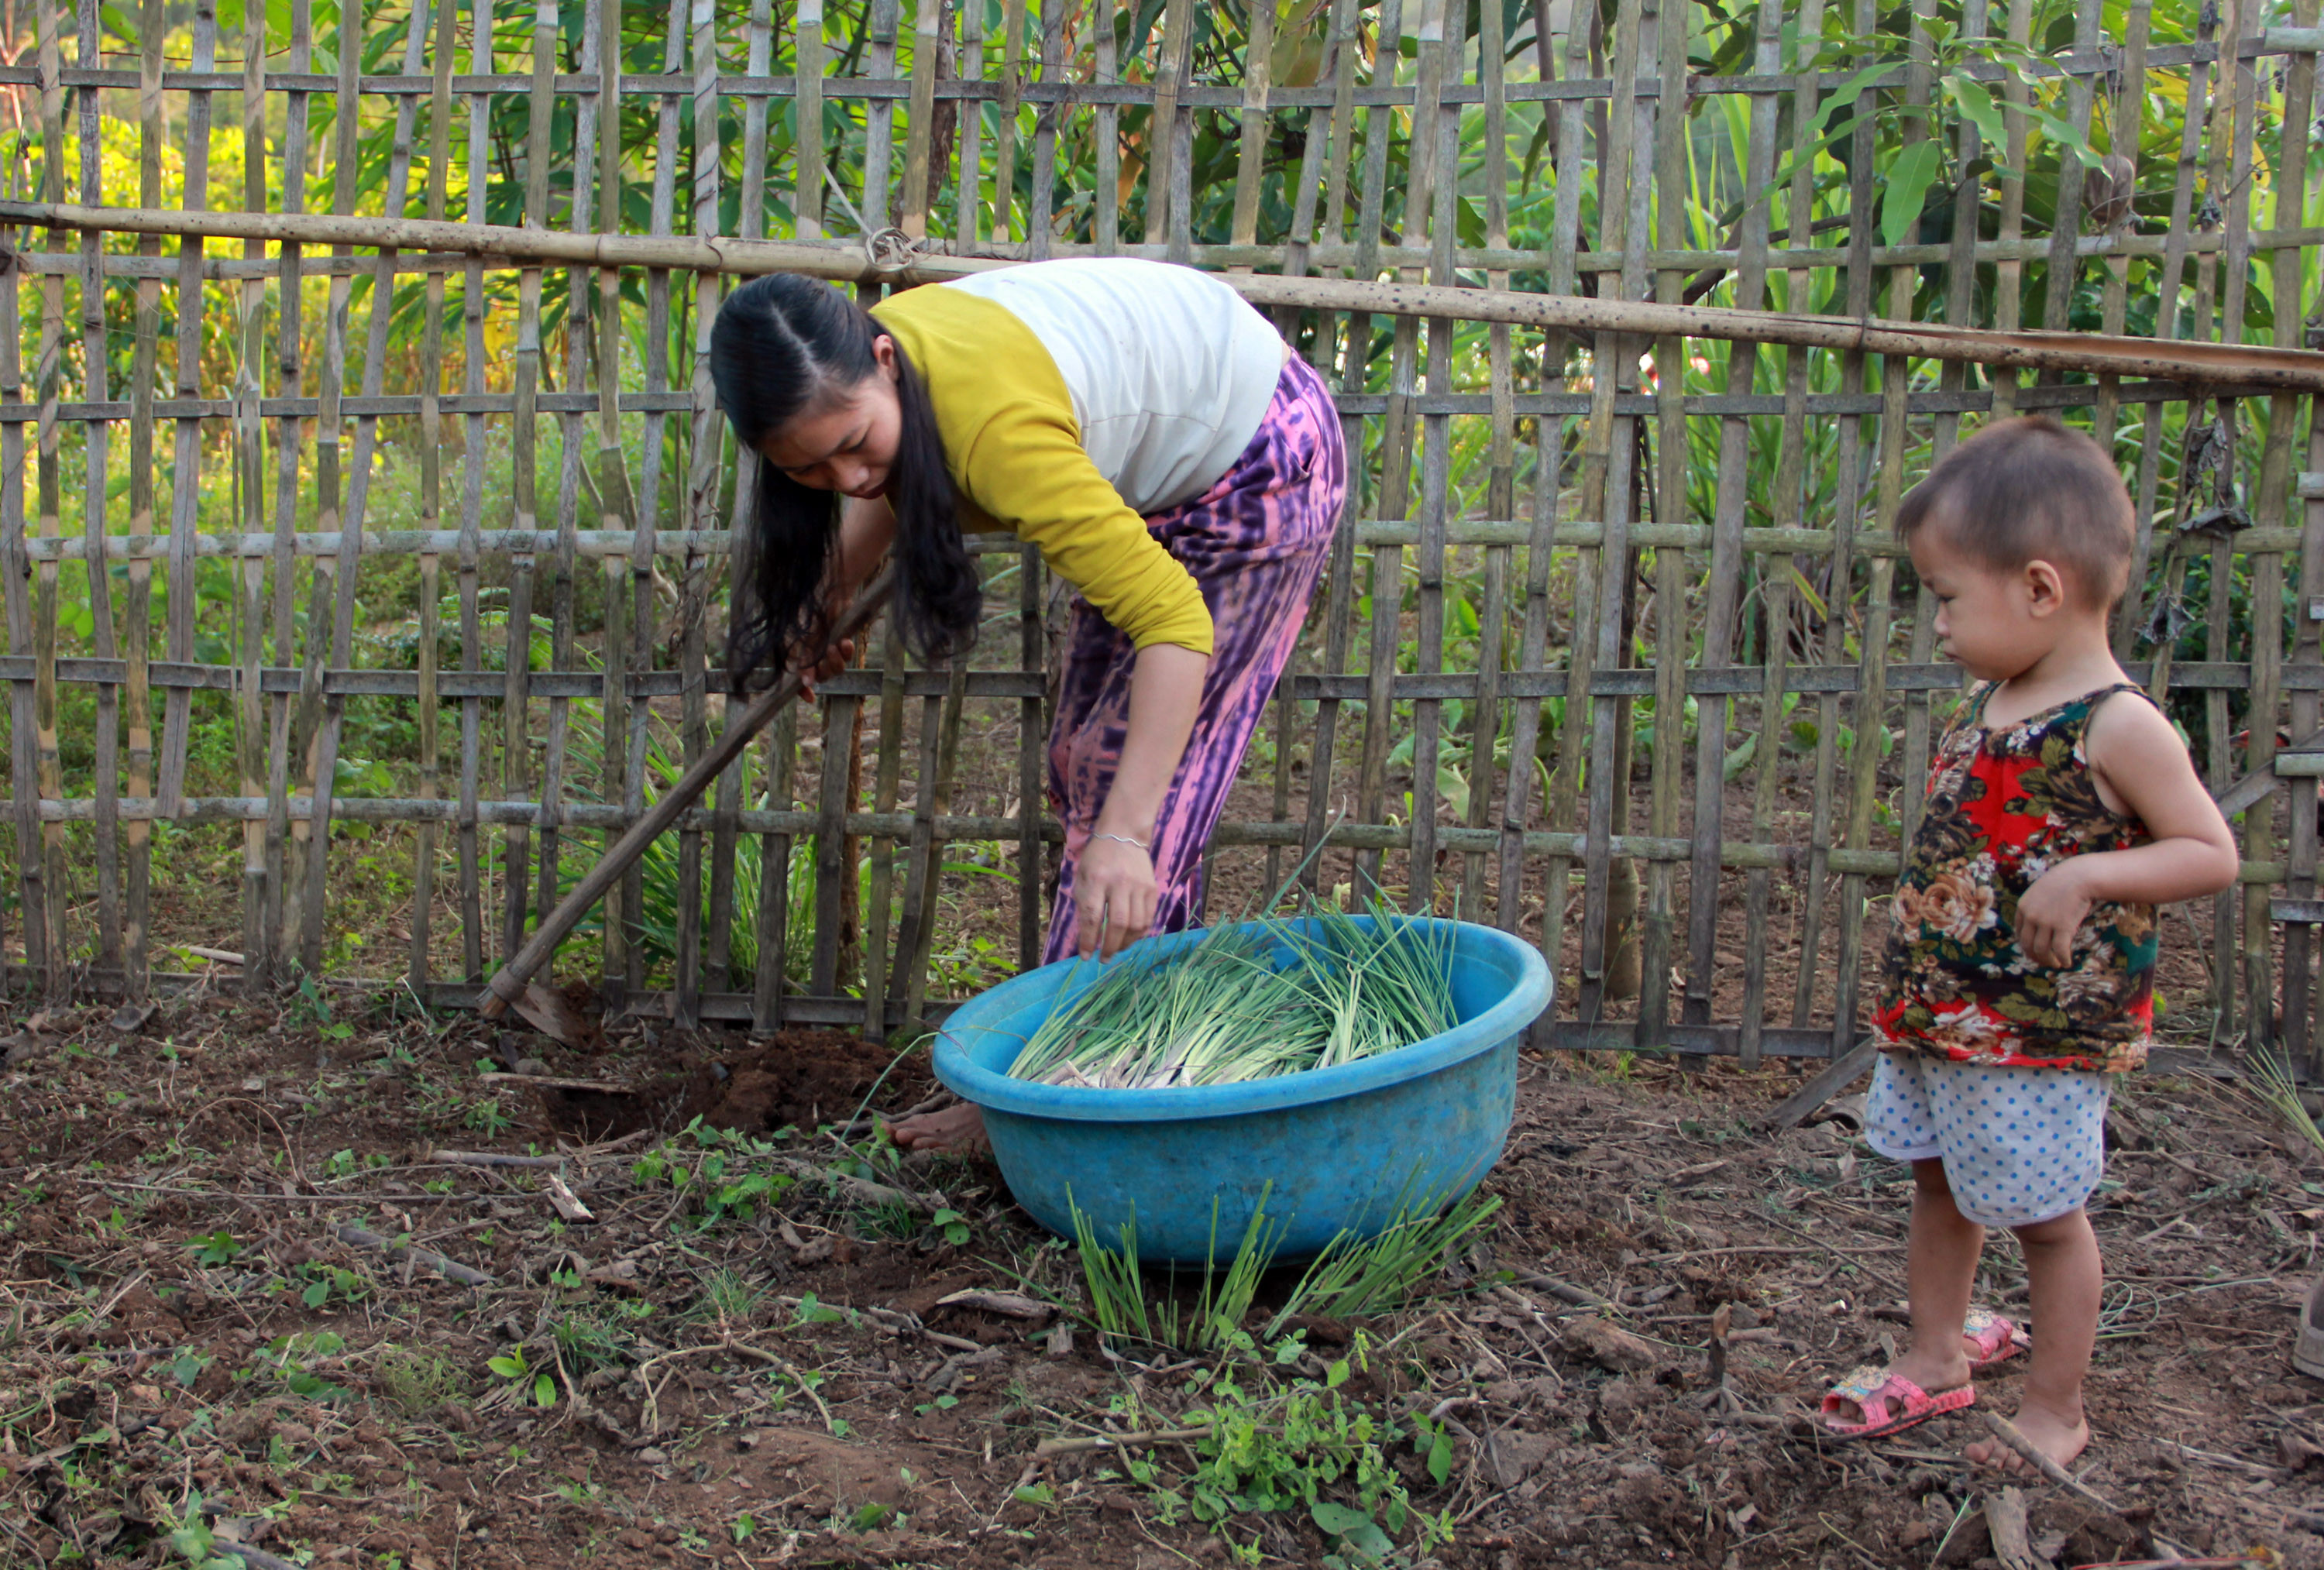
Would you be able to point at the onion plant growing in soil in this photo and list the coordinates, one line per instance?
(1247, 1002)
(1352, 1278)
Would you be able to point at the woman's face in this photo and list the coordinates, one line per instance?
(846, 441)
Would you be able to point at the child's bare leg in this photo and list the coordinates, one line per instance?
(2064, 1275)
(1941, 1271)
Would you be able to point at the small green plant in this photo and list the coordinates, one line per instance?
(1118, 1292)
(288, 1358)
(811, 1312)
(214, 1249)
(952, 1226)
(194, 1542)
(513, 1367)
(2274, 1088)
(1307, 1445)
(728, 1294)
(324, 1282)
(1349, 1279)
(415, 1382)
(485, 1115)
(586, 1342)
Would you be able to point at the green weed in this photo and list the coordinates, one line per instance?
(415, 1382)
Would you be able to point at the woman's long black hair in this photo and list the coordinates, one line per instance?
(782, 345)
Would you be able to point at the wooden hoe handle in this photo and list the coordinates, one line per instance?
(508, 983)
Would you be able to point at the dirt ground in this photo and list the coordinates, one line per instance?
(226, 1314)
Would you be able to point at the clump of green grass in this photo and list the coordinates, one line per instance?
(2274, 1088)
(415, 1382)
(1280, 997)
(1351, 1278)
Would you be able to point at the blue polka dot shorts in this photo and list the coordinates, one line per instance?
(2020, 1145)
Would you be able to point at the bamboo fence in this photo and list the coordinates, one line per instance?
(348, 329)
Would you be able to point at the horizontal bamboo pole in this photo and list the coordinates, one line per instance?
(1333, 255)
(2287, 370)
(1707, 680)
(1084, 95)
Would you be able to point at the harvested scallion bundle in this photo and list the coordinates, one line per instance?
(1241, 1003)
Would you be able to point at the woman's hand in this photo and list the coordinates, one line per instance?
(835, 658)
(2051, 912)
(1114, 894)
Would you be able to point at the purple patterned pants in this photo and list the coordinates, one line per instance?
(1256, 543)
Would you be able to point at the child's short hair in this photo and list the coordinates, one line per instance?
(2029, 490)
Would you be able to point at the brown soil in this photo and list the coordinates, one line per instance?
(776, 1382)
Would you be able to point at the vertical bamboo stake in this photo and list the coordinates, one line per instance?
(2300, 1035)
(880, 118)
(49, 377)
(1839, 593)
(1107, 64)
(1340, 572)
(928, 34)
(1565, 789)
(1605, 490)
(1791, 470)
(144, 367)
(653, 455)
(1727, 565)
(1040, 219)
(259, 914)
(1387, 583)
(104, 642)
(967, 195)
(1429, 210)
(24, 754)
(807, 123)
(1657, 928)
(1484, 726)
(2009, 298)
(2220, 619)
(185, 473)
(616, 510)
(1170, 84)
(2290, 193)
(2133, 617)
(517, 659)
(1871, 710)
(284, 867)
(331, 596)
(701, 515)
(556, 752)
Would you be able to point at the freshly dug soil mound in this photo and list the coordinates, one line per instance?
(798, 1079)
(802, 1079)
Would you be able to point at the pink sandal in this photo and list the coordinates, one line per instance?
(1887, 1403)
(1997, 1340)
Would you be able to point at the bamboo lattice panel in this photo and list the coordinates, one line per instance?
(409, 539)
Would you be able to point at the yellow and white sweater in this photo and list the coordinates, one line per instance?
(1075, 397)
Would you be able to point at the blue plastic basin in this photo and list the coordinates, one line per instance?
(1341, 1146)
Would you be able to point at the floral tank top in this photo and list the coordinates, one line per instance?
(2004, 807)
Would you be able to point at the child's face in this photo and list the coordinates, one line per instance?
(1995, 623)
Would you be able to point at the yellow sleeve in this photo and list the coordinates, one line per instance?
(1015, 453)
(1027, 470)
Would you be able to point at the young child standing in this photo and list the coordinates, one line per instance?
(2061, 809)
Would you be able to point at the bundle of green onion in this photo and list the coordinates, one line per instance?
(1278, 996)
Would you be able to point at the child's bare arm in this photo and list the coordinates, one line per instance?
(2140, 760)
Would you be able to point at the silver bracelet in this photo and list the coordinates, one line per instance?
(1126, 840)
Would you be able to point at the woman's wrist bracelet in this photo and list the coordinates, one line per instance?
(1126, 840)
